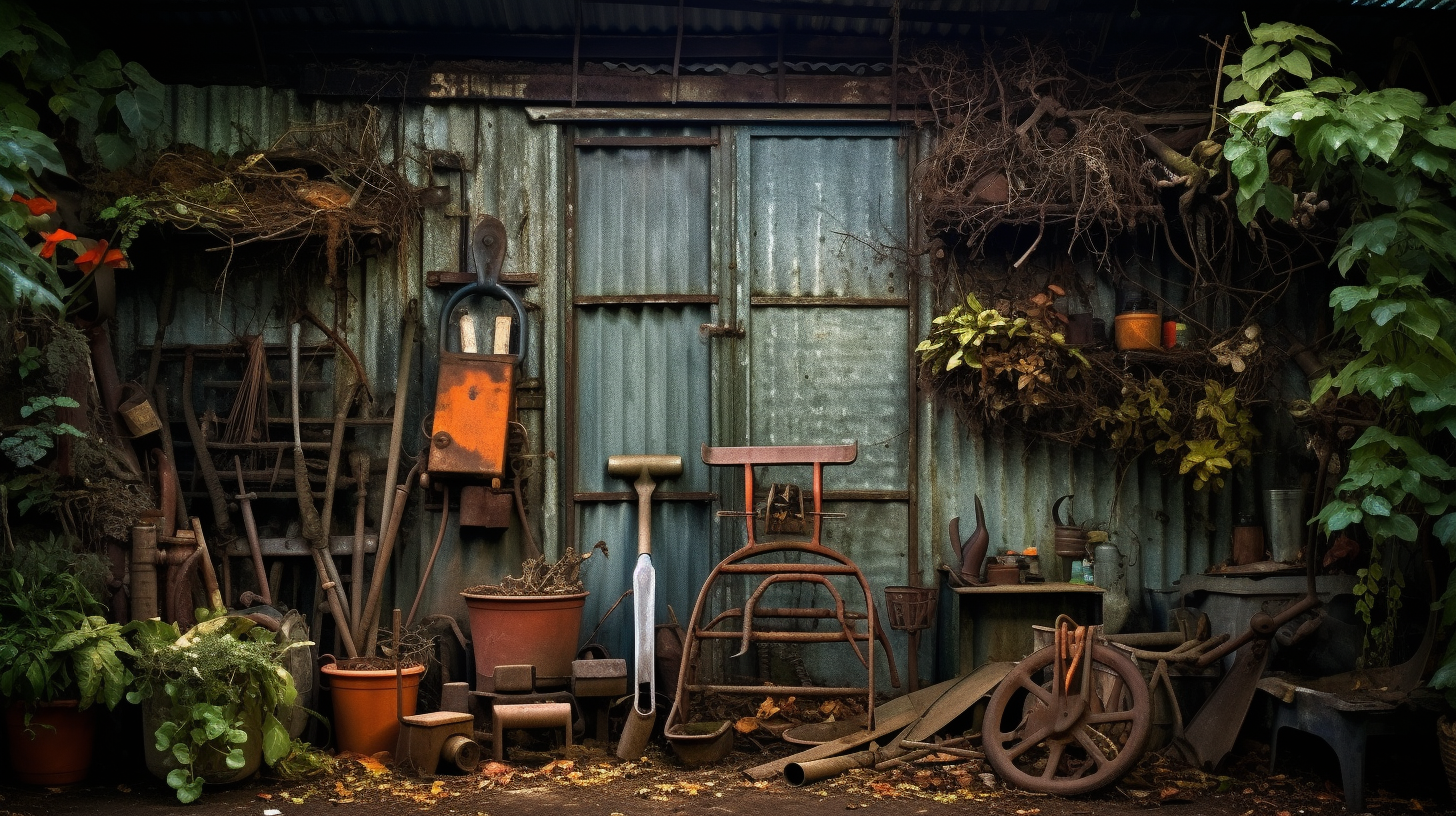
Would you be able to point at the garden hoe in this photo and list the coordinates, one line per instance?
(643, 715)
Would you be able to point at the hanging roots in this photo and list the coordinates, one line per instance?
(1025, 139)
(326, 181)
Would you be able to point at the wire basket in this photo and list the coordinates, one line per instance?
(911, 608)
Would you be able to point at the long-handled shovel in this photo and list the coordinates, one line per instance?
(644, 596)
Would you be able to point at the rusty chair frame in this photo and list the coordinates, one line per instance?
(775, 572)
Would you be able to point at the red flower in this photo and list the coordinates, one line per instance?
(38, 206)
(52, 239)
(99, 255)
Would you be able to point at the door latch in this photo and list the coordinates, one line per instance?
(721, 330)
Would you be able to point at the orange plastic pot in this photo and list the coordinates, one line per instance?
(1139, 331)
(55, 749)
(509, 630)
(364, 706)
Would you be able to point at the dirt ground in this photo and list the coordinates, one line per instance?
(1402, 777)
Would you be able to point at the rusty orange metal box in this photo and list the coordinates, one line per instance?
(473, 406)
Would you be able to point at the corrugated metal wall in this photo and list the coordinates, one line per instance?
(519, 172)
(512, 170)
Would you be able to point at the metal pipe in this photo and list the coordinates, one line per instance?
(430, 565)
(396, 430)
(143, 572)
(381, 558)
(312, 528)
(527, 715)
(250, 526)
(209, 577)
(204, 457)
(799, 774)
(167, 487)
(359, 463)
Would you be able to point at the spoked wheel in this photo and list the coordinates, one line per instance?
(1067, 740)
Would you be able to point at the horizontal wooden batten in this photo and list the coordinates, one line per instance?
(642, 300)
(661, 495)
(646, 141)
(772, 301)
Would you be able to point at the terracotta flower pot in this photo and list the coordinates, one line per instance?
(510, 630)
(364, 706)
(55, 749)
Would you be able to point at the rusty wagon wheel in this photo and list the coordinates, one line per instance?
(1067, 743)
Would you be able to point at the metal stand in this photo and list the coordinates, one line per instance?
(697, 745)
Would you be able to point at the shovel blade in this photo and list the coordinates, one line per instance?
(644, 614)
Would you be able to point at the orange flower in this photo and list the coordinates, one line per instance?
(52, 239)
(99, 255)
(38, 206)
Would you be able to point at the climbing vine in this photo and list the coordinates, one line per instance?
(1392, 159)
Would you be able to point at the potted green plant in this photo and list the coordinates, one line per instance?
(214, 700)
(59, 657)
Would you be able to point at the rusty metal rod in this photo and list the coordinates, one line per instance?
(381, 558)
(204, 457)
(250, 526)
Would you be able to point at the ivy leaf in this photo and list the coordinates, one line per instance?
(181, 754)
(1375, 505)
(1385, 312)
(187, 794)
(1445, 530)
(177, 778)
(1340, 514)
(235, 759)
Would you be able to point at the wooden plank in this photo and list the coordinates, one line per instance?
(895, 715)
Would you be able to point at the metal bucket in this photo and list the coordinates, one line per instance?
(1284, 523)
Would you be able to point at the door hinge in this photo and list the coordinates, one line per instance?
(722, 330)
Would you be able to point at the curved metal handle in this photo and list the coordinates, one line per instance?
(488, 250)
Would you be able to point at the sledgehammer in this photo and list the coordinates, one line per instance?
(644, 595)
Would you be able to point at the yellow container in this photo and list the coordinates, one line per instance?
(1139, 331)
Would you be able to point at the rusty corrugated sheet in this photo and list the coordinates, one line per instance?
(511, 169)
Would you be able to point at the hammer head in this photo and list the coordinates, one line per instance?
(659, 465)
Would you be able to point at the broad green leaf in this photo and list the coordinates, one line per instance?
(1338, 515)
(1386, 311)
(1333, 85)
(1280, 201)
(235, 759)
(189, 793)
(1284, 32)
(1375, 505)
(181, 753)
(114, 150)
(1258, 55)
(1403, 527)
(177, 777)
(1443, 136)
(275, 740)
(1384, 138)
(1445, 530)
(1238, 89)
(1295, 62)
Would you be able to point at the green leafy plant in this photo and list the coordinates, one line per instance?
(55, 642)
(1220, 435)
(1392, 159)
(113, 109)
(28, 444)
(210, 687)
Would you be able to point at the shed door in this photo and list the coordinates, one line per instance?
(821, 238)
(810, 267)
(642, 289)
